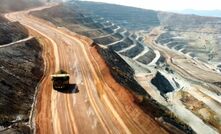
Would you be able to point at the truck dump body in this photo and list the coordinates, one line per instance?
(60, 81)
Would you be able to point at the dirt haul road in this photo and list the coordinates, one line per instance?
(89, 108)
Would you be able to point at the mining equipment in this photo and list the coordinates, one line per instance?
(60, 80)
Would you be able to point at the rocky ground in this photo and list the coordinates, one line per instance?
(11, 32)
(21, 70)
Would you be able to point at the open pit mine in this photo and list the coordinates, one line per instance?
(86, 67)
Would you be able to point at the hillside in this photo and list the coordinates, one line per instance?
(19, 77)
(9, 5)
(130, 18)
(20, 71)
(214, 13)
(193, 35)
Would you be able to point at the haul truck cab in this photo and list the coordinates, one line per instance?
(60, 79)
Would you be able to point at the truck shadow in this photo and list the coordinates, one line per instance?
(72, 88)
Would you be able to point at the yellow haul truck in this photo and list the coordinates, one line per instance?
(60, 79)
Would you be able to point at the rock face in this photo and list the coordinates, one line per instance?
(21, 69)
(162, 83)
(11, 32)
(120, 70)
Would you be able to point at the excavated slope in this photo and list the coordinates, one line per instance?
(21, 69)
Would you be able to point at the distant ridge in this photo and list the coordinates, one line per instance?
(212, 13)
